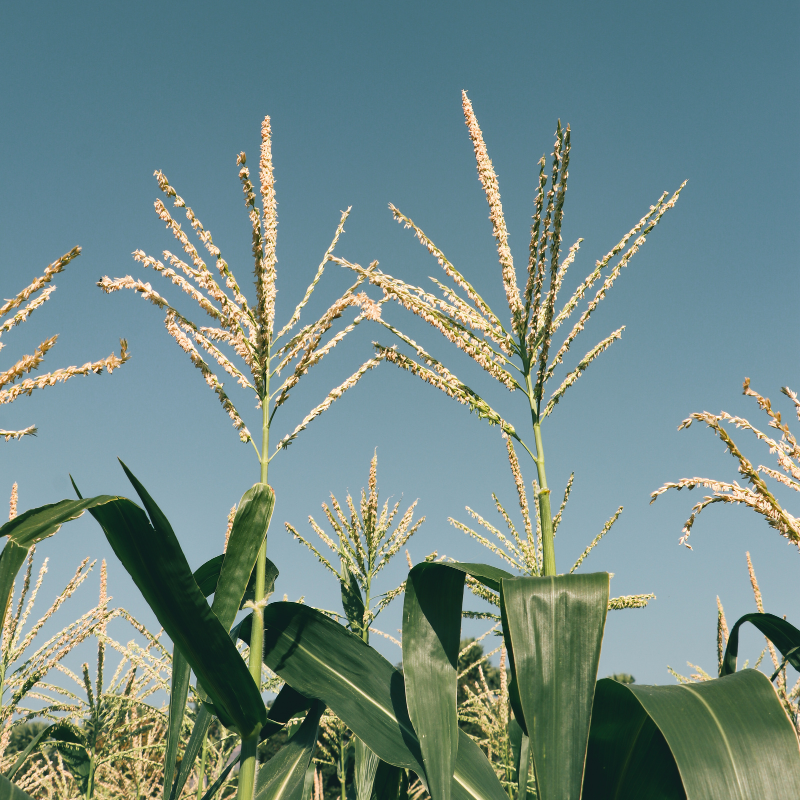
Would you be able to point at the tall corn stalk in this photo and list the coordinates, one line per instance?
(258, 354)
(521, 354)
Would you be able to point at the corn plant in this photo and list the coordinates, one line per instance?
(258, 353)
(584, 738)
(365, 543)
(25, 661)
(758, 495)
(521, 356)
(25, 530)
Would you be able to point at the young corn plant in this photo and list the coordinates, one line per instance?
(365, 543)
(244, 342)
(521, 355)
(12, 384)
(110, 735)
(758, 495)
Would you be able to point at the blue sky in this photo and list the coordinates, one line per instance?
(365, 107)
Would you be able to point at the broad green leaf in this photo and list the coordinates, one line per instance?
(285, 771)
(155, 561)
(28, 529)
(366, 766)
(322, 659)
(308, 783)
(207, 576)
(10, 792)
(431, 634)
(628, 757)
(248, 533)
(730, 737)
(36, 524)
(781, 633)
(555, 627)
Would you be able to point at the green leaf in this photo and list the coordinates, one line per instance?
(730, 738)
(28, 529)
(321, 659)
(207, 576)
(155, 561)
(308, 783)
(10, 792)
(178, 694)
(521, 750)
(628, 756)
(781, 633)
(352, 601)
(431, 634)
(201, 725)
(366, 766)
(285, 771)
(71, 744)
(250, 526)
(388, 780)
(555, 628)
(32, 526)
(32, 745)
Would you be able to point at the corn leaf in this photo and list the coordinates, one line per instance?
(781, 633)
(178, 694)
(249, 531)
(730, 739)
(431, 635)
(323, 660)
(283, 775)
(153, 557)
(28, 529)
(10, 792)
(553, 628)
(628, 756)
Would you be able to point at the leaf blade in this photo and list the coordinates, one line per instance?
(555, 626)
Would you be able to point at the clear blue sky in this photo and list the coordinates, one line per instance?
(365, 107)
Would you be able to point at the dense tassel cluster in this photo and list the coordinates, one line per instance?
(248, 330)
(520, 355)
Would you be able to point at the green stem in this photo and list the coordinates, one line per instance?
(201, 774)
(247, 776)
(365, 625)
(247, 770)
(90, 784)
(545, 514)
